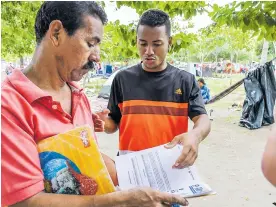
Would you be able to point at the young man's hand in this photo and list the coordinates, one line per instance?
(189, 153)
(103, 114)
(103, 123)
(98, 119)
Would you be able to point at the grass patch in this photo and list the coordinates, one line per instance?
(95, 84)
(217, 85)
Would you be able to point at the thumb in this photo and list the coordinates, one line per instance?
(172, 144)
(106, 111)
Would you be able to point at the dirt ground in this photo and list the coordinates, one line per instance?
(229, 159)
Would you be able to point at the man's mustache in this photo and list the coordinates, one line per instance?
(91, 65)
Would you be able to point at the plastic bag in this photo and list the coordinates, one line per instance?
(260, 87)
(72, 164)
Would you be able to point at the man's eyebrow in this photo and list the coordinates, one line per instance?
(152, 41)
(96, 38)
(157, 41)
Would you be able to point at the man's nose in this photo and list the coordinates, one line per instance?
(149, 50)
(95, 54)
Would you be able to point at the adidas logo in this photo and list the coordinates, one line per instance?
(178, 91)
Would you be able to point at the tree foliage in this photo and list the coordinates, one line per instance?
(119, 42)
(17, 19)
(249, 19)
(214, 42)
(257, 16)
(186, 9)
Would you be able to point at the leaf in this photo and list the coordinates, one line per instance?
(269, 20)
(260, 19)
(246, 21)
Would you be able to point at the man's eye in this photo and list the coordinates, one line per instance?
(90, 45)
(157, 45)
(143, 44)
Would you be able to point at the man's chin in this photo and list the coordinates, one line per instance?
(76, 78)
(152, 67)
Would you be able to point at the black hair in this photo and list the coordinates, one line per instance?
(201, 80)
(155, 18)
(70, 13)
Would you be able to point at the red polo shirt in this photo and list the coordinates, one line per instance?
(29, 115)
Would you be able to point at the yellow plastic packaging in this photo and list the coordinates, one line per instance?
(72, 164)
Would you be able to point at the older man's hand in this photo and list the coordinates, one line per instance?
(147, 197)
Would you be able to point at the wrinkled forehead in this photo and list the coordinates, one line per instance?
(91, 27)
(148, 33)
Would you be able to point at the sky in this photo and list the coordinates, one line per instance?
(199, 21)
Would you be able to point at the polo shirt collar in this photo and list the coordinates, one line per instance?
(29, 90)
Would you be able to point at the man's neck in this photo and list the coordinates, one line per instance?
(43, 71)
(160, 68)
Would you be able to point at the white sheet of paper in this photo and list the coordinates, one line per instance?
(153, 168)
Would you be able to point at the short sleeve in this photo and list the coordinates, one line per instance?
(196, 105)
(115, 99)
(22, 176)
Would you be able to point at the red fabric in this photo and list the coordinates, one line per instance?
(29, 115)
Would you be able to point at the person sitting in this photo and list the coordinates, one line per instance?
(205, 92)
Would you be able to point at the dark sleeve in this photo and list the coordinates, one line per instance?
(115, 99)
(196, 105)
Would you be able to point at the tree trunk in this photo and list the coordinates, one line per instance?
(21, 61)
(231, 59)
(264, 53)
(274, 44)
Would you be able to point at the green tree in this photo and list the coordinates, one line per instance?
(18, 37)
(271, 49)
(185, 9)
(119, 42)
(257, 16)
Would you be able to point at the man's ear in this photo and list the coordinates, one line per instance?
(56, 30)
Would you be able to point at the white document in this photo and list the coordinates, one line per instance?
(153, 168)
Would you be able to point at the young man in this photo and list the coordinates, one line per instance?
(205, 92)
(152, 101)
(44, 101)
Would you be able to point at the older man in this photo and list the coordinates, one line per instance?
(44, 101)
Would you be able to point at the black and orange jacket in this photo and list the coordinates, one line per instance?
(151, 108)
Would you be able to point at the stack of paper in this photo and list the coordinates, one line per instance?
(153, 168)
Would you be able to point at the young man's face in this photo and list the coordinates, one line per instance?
(75, 51)
(153, 44)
